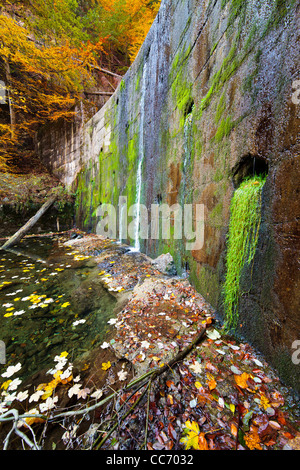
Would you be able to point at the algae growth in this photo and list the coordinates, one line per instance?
(245, 220)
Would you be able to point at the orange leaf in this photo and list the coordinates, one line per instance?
(252, 439)
(169, 383)
(233, 429)
(202, 442)
(211, 381)
(241, 380)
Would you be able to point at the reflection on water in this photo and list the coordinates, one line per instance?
(51, 300)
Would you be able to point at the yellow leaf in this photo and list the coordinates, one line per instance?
(198, 385)
(106, 365)
(5, 384)
(33, 420)
(264, 402)
(192, 432)
(57, 375)
(232, 408)
(47, 394)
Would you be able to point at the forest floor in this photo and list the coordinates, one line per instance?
(200, 389)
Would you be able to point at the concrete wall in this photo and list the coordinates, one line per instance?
(208, 99)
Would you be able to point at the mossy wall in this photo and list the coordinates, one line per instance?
(216, 108)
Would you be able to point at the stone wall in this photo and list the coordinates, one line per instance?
(207, 102)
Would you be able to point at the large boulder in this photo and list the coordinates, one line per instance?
(165, 264)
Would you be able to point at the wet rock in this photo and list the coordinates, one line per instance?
(165, 264)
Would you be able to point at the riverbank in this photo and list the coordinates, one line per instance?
(22, 195)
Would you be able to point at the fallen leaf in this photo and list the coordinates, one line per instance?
(213, 334)
(202, 442)
(241, 380)
(211, 381)
(196, 367)
(252, 439)
(198, 385)
(190, 440)
(122, 375)
(83, 393)
(233, 429)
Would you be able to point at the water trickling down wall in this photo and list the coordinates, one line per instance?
(206, 104)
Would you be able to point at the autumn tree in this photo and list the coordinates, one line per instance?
(43, 82)
(54, 52)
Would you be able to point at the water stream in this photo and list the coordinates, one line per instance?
(51, 300)
(141, 160)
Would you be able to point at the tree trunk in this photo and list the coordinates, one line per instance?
(31, 222)
(11, 108)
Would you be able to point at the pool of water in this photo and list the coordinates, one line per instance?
(51, 300)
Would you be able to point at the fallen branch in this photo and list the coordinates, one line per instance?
(151, 376)
(144, 380)
(31, 222)
(105, 93)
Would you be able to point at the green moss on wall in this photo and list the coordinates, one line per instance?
(242, 240)
(224, 128)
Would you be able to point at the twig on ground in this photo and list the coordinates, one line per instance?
(146, 379)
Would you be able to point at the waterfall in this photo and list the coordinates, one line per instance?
(141, 160)
(187, 142)
(121, 224)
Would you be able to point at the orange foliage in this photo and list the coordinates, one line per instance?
(136, 16)
(48, 61)
(42, 83)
